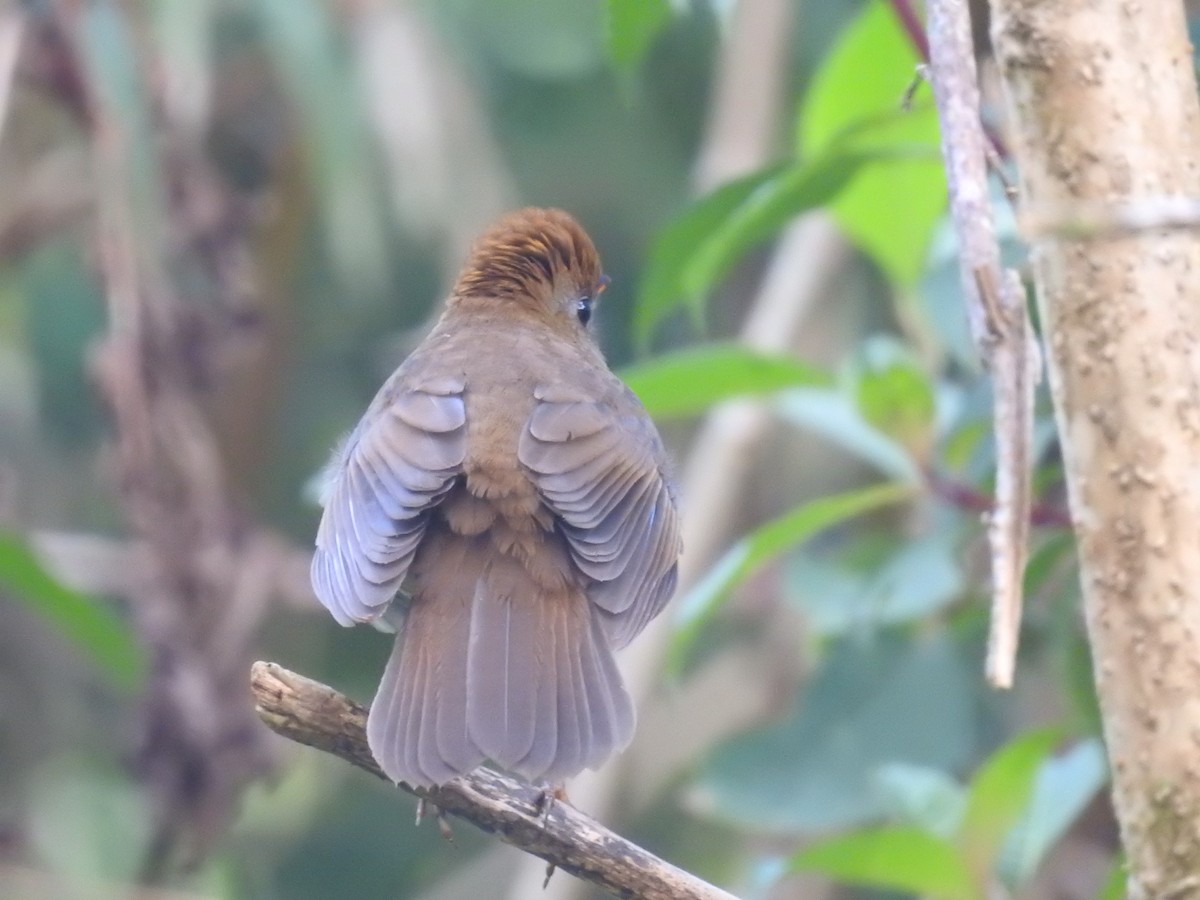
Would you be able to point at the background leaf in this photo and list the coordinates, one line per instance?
(1117, 881)
(1000, 794)
(869, 703)
(661, 290)
(765, 542)
(863, 78)
(918, 795)
(632, 27)
(901, 859)
(763, 212)
(834, 415)
(895, 395)
(913, 580)
(689, 381)
(85, 620)
(1064, 786)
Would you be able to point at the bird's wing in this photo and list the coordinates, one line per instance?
(599, 469)
(396, 466)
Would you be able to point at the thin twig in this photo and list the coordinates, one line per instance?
(998, 318)
(316, 715)
(997, 151)
(12, 29)
(1097, 220)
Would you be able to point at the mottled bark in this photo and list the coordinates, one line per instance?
(1103, 103)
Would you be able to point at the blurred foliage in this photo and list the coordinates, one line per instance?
(87, 621)
(689, 381)
(857, 580)
(1020, 803)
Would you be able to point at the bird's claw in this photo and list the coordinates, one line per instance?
(545, 803)
(423, 807)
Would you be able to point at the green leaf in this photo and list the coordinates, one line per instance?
(662, 284)
(901, 859)
(918, 795)
(1000, 793)
(689, 381)
(1079, 678)
(774, 203)
(696, 251)
(915, 579)
(1117, 882)
(869, 703)
(632, 27)
(765, 542)
(895, 395)
(84, 620)
(836, 417)
(891, 209)
(1044, 560)
(1064, 787)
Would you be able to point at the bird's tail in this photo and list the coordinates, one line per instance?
(492, 666)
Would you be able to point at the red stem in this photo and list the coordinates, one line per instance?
(913, 26)
(915, 29)
(964, 496)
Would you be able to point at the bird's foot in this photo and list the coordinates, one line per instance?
(545, 802)
(443, 824)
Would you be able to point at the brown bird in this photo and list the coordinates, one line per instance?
(517, 492)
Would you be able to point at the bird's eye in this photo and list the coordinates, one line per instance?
(583, 309)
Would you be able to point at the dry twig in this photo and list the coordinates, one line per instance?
(12, 28)
(1080, 221)
(313, 714)
(998, 318)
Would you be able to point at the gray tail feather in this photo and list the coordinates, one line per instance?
(417, 726)
(507, 672)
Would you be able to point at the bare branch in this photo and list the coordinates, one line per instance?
(317, 716)
(998, 319)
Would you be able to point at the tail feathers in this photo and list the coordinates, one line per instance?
(545, 699)
(417, 726)
(501, 670)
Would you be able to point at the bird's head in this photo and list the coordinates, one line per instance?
(540, 259)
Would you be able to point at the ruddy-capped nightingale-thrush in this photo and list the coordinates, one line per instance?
(517, 494)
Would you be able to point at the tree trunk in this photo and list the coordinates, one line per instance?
(1103, 103)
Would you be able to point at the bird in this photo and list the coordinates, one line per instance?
(510, 498)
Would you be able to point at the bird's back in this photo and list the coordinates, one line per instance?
(518, 491)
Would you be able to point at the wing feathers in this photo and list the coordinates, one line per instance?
(397, 465)
(599, 471)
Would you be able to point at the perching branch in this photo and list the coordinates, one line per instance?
(316, 715)
(998, 318)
